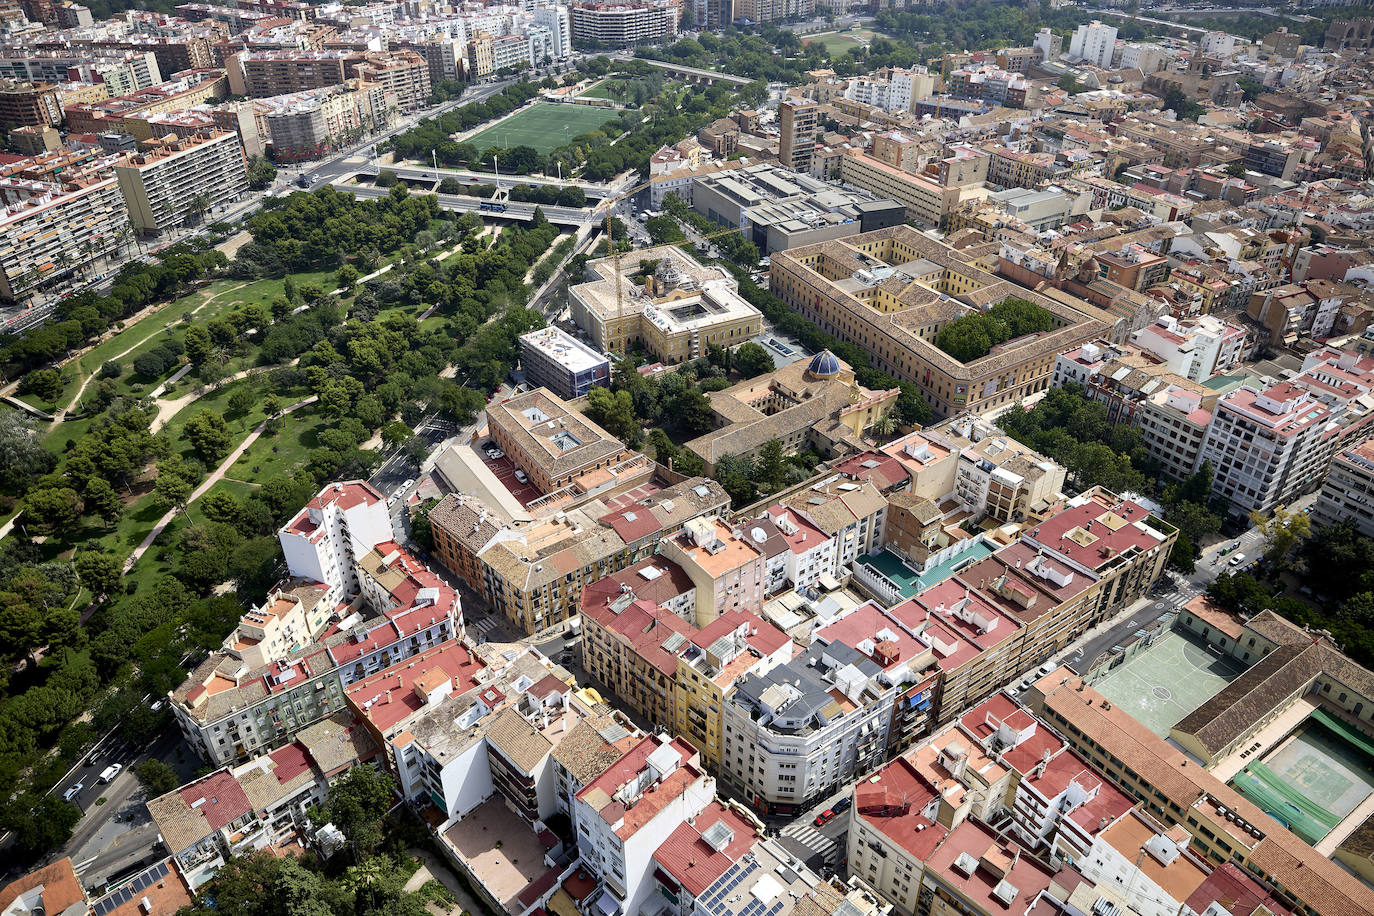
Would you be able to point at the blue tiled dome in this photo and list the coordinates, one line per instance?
(823, 365)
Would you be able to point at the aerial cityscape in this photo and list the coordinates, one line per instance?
(687, 458)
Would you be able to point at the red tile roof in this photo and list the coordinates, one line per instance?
(218, 797)
(388, 697)
(696, 864)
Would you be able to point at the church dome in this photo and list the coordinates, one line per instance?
(823, 365)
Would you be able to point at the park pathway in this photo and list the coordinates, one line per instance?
(209, 482)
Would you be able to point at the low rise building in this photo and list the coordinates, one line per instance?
(1196, 349)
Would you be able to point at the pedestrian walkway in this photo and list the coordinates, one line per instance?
(484, 626)
(811, 838)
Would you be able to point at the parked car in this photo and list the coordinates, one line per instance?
(110, 772)
(843, 804)
(825, 817)
(520, 476)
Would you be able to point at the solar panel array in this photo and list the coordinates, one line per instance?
(130, 890)
(717, 898)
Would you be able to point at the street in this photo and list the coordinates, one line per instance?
(115, 834)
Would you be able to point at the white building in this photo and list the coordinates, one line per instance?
(624, 814)
(1140, 858)
(555, 19)
(1218, 44)
(1094, 43)
(811, 553)
(333, 532)
(1196, 348)
(785, 740)
(1348, 491)
(1267, 447)
(165, 186)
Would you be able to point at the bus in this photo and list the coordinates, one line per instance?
(493, 207)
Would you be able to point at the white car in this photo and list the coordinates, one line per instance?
(110, 772)
(73, 792)
(520, 476)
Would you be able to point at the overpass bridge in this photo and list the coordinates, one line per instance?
(696, 75)
(502, 209)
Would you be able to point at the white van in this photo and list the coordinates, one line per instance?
(110, 772)
(1237, 559)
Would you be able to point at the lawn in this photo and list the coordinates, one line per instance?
(840, 42)
(542, 126)
(606, 89)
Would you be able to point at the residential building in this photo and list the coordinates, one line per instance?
(625, 814)
(803, 729)
(405, 74)
(309, 124)
(185, 177)
(1093, 43)
(725, 567)
(682, 308)
(557, 361)
(851, 512)
(238, 810)
(1268, 446)
(1197, 348)
(621, 23)
(890, 291)
(46, 224)
(1347, 493)
(798, 124)
(28, 104)
(534, 573)
(336, 529)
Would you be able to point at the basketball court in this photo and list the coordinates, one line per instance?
(1170, 679)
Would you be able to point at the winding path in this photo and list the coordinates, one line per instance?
(209, 482)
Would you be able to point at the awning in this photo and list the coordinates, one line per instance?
(607, 904)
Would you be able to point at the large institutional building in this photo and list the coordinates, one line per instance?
(890, 292)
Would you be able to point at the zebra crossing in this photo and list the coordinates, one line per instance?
(805, 835)
(484, 626)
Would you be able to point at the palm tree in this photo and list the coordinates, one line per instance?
(885, 425)
(198, 204)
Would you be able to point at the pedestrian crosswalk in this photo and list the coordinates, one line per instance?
(811, 838)
(482, 627)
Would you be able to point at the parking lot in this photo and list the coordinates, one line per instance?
(504, 469)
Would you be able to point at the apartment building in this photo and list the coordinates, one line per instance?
(1013, 169)
(624, 815)
(798, 123)
(1197, 348)
(310, 124)
(725, 566)
(801, 730)
(891, 290)
(1093, 43)
(29, 104)
(404, 74)
(266, 73)
(47, 223)
(682, 308)
(552, 443)
(1347, 493)
(621, 24)
(185, 179)
(326, 539)
(1268, 446)
(534, 573)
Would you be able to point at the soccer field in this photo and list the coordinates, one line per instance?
(541, 126)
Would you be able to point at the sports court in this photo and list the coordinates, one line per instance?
(541, 126)
(1165, 682)
(1314, 778)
